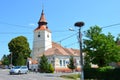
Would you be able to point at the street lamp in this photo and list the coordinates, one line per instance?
(80, 24)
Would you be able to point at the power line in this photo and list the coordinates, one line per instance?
(22, 26)
(102, 27)
(71, 44)
(53, 31)
(66, 38)
(16, 25)
(26, 32)
(59, 31)
(111, 25)
(15, 33)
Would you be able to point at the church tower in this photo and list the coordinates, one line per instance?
(42, 38)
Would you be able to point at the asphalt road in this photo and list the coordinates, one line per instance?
(4, 75)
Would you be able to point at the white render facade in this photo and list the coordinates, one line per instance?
(42, 42)
(60, 62)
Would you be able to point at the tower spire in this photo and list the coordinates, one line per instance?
(42, 23)
(42, 18)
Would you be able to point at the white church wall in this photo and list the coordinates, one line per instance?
(42, 42)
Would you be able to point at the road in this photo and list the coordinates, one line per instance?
(4, 75)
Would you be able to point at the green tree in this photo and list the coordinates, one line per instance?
(19, 47)
(43, 64)
(100, 49)
(21, 60)
(71, 64)
(118, 39)
(5, 60)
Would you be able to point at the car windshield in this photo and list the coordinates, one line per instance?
(24, 67)
(16, 67)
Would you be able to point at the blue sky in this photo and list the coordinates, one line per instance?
(20, 17)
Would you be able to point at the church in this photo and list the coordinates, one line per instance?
(57, 55)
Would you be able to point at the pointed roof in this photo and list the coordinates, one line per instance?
(42, 23)
(42, 18)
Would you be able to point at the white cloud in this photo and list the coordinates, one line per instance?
(32, 24)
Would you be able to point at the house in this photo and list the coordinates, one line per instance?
(57, 55)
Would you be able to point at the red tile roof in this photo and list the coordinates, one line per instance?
(33, 61)
(57, 49)
(42, 27)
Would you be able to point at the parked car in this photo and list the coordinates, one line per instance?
(19, 70)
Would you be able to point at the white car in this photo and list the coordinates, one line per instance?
(19, 70)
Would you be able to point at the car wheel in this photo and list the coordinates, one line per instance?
(26, 72)
(19, 72)
(10, 73)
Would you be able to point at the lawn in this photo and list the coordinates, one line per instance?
(71, 76)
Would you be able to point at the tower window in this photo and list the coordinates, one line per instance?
(39, 34)
(48, 35)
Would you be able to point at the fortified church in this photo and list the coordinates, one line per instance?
(57, 55)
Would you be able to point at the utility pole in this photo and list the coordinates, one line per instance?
(80, 24)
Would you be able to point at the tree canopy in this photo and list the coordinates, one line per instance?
(5, 60)
(19, 48)
(100, 49)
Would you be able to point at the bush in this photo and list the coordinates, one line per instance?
(104, 73)
(91, 73)
(104, 69)
(51, 69)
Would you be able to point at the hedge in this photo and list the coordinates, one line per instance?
(102, 74)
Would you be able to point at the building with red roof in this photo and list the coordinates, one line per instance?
(57, 55)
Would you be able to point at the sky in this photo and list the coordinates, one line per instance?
(20, 17)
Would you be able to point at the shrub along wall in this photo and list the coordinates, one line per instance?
(102, 74)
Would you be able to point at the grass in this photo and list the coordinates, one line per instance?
(71, 76)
